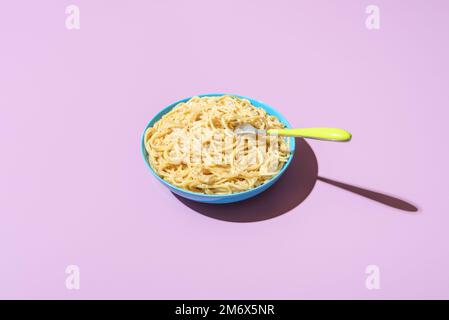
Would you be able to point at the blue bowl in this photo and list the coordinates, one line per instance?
(222, 198)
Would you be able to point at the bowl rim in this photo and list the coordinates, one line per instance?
(196, 194)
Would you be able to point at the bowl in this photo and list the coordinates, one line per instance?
(221, 198)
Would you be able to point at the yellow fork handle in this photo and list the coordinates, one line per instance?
(331, 134)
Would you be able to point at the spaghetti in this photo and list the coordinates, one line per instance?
(195, 146)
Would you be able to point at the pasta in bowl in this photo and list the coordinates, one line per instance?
(192, 147)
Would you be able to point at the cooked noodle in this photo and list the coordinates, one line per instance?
(195, 146)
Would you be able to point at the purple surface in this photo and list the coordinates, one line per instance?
(74, 188)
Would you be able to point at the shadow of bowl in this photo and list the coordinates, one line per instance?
(293, 187)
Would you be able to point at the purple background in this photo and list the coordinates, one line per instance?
(74, 188)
